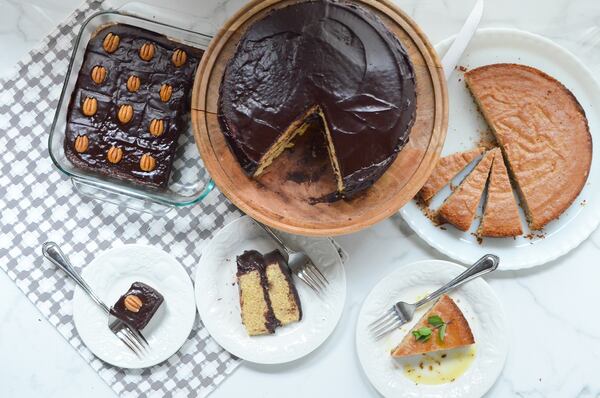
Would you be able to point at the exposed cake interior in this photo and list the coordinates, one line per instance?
(282, 292)
(298, 128)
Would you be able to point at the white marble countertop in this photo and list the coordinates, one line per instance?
(555, 328)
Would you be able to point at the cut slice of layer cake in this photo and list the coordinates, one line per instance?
(268, 296)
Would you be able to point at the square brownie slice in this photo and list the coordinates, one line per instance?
(138, 305)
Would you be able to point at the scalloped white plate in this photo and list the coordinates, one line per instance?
(110, 274)
(217, 295)
(481, 308)
(465, 124)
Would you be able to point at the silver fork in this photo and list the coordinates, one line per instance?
(401, 312)
(131, 337)
(299, 263)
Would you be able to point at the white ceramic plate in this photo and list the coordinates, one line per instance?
(465, 124)
(481, 308)
(110, 275)
(217, 295)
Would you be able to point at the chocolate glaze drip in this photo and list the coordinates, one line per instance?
(151, 301)
(104, 129)
(329, 54)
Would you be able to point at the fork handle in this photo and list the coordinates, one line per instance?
(52, 252)
(485, 264)
(275, 237)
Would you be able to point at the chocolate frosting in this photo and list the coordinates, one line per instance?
(104, 129)
(151, 301)
(325, 53)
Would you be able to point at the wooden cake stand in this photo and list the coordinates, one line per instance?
(282, 201)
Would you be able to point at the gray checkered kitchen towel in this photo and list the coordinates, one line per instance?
(38, 203)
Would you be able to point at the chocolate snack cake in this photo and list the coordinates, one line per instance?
(138, 305)
(130, 104)
(323, 63)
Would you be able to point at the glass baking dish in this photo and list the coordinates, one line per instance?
(189, 182)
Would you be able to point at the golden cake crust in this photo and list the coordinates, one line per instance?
(543, 132)
(501, 215)
(458, 332)
(459, 208)
(446, 169)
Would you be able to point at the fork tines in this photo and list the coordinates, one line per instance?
(389, 321)
(313, 277)
(132, 338)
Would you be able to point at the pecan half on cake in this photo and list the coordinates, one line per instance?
(138, 305)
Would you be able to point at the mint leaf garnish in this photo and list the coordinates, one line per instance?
(422, 334)
(435, 321)
(442, 332)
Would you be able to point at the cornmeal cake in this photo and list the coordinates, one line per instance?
(459, 209)
(457, 332)
(500, 215)
(322, 63)
(543, 133)
(446, 169)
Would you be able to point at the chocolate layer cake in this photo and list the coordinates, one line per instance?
(268, 297)
(326, 63)
(138, 305)
(130, 104)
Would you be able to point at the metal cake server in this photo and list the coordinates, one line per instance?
(131, 337)
(464, 36)
(401, 312)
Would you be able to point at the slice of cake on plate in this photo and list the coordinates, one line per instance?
(138, 305)
(501, 214)
(543, 132)
(459, 208)
(446, 169)
(268, 296)
(443, 327)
